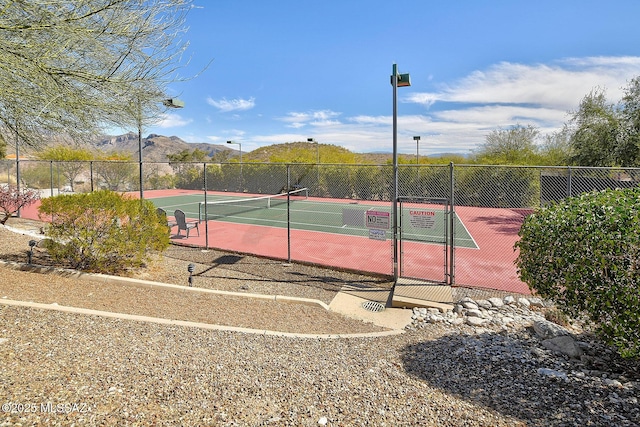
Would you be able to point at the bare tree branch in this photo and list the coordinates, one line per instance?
(74, 67)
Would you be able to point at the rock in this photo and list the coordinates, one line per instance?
(509, 300)
(484, 304)
(546, 372)
(476, 321)
(470, 305)
(496, 302)
(474, 313)
(524, 302)
(536, 302)
(610, 382)
(546, 329)
(564, 344)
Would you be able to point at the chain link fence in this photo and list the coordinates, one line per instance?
(487, 205)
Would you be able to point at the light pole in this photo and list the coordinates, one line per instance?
(240, 147)
(171, 103)
(417, 139)
(317, 157)
(397, 80)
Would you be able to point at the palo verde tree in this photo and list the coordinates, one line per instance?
(515, 145)
(115, 171)
(72, 67)
(72, 161)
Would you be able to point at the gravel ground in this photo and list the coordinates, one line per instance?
(214, 270)
(68, 369)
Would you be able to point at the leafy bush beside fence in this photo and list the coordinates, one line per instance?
(584, 254)
(103, 231)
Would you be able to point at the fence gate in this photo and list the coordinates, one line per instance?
(425, 235)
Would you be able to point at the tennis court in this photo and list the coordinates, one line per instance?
(310, 214)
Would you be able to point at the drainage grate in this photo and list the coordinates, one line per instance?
(373, 306)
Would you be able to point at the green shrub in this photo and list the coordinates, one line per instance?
(584, 253)
(103, 231)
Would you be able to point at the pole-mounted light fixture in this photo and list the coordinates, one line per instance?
(397, 80)
(313, 141)
(417, 139)
(171, 103)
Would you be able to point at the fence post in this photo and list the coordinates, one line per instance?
(452, 214)
(51, 177)
(288, 216)
(206, 215)
(569, 191)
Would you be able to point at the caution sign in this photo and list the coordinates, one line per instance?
(422, 219)
(378, 220)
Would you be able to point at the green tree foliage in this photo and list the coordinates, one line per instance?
(584, 254)
(72, 67)
(115, 171)
(71, 161)
(103, 231)
(186, 156)
(3, 147)
(516, 145)
(595, 131)
(12, 200)
(556, 148)
(627, 151)
(187, 165)
(301, 152)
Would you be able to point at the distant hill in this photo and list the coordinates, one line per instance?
(155, 148)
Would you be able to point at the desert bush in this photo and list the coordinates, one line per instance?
(584, 253)
(103, 231)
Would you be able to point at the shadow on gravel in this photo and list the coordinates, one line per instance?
(270, 270)
(502, 373)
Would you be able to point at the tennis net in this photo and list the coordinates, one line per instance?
(224, 208)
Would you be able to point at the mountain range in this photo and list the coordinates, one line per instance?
(155, 148)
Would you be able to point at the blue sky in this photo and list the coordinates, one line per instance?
(285, 70)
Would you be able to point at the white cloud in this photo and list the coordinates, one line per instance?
(226, 105)
(506, 94)
(169, 120)
(299, 120)
(560, 85)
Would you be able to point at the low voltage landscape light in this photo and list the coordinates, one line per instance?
(32, 244)
(191, 268)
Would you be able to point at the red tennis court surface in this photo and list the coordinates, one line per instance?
(491, 266)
